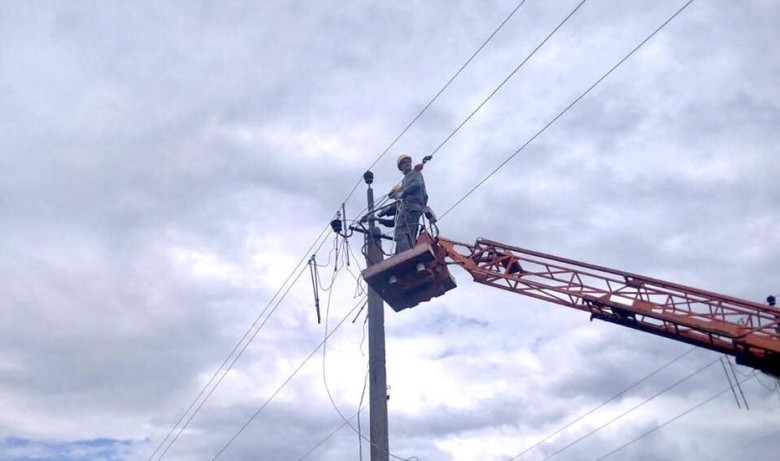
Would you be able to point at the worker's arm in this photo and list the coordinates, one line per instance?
(388, 211)
(386, 222)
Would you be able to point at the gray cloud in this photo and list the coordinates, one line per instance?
(164, 167)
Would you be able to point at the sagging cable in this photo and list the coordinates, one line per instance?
(344, 217)
(358, 314)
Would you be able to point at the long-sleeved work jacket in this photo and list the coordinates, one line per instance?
(412, 201)
(413, 194)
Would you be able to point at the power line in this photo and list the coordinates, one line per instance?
(635, 407)
(360, 405)
(560, 114)
(324, 353)
(747, 444)
(432, 100)
(614, 397)
(331, 434)
(511, 74)
(346, 422)
(246, 339)
(286, 381)
(224, 374)
(695, 407)
(409, 125)
(327, 389)
(769, 388)
(348, 196)
(484, 101)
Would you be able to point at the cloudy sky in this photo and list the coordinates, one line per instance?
(165, 167)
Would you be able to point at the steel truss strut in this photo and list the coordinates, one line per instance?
(746, 330)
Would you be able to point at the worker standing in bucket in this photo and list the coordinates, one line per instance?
(412, 200)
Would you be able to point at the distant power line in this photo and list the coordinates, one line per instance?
(436, 96)
(601, 405)
(209, 388)
(680, 415)
(238, 348)
(330, 434)
(508, 77)
(286, 381)
(252, 331)
(631, 410)
(747, 444)
(566, 109)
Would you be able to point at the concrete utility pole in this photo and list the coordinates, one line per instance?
(380, 447)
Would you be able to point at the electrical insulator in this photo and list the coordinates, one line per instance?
(336, 225)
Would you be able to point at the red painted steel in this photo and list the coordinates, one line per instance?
(747, 330)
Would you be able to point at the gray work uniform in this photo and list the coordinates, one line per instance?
(412, 202)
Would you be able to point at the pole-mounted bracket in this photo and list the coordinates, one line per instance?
(377, 233)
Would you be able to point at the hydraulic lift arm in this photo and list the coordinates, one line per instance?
(746, 330)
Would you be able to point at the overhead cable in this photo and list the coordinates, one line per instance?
(226, 370)
(408, 126)
(330, 254)
(631, 410)
(330, 434)
(252, 332)
(324, 354)
(572, 104)
(286, 381)
(511, 74)
(772, 388)
(614, 397)
(330, 395)
(360, 405)
(747, 444)
(435, 97)
(689, 410)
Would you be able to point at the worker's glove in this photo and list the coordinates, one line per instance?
(396, 191)
(430, 215)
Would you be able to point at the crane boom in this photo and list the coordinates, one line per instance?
(746, 330)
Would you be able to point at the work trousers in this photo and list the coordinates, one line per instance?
(406, 228)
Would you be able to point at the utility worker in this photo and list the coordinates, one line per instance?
(412, 200)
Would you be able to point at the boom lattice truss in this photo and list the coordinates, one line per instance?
(743, 329)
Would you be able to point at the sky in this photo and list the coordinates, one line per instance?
(167, 169)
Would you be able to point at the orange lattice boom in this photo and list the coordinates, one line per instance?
(741, 328)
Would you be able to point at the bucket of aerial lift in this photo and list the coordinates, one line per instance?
(411, 277)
